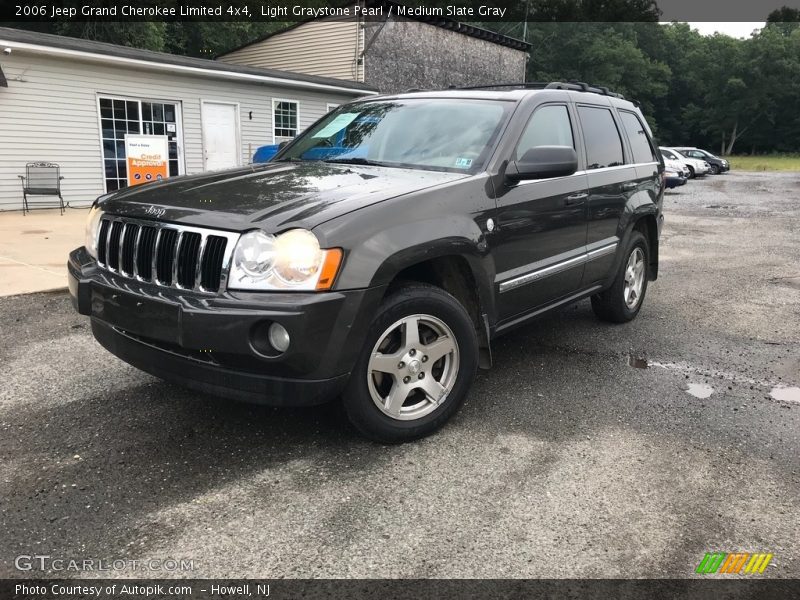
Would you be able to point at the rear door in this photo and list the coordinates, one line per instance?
(540, 240)
(611, 182)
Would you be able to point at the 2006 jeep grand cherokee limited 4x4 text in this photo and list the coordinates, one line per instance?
(380, 252)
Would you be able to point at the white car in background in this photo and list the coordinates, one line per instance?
(696, 166)
(675, 165)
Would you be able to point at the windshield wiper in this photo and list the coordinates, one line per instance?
(355, 161)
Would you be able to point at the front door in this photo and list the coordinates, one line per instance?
(540, 243)
(220, 136)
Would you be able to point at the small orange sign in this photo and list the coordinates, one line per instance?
(147, 157)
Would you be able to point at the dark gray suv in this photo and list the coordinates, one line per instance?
(378, 255)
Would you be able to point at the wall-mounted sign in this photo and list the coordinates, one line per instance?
(148, 158)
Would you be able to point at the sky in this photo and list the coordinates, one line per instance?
(733, 29)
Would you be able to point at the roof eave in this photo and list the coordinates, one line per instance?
(189, 70)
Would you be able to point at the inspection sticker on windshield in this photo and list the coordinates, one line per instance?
(336, 125)
(463, 163)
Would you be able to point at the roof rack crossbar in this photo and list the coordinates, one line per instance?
(576, 86)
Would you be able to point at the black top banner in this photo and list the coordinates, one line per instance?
(43, 11)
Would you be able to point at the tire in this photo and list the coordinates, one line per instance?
(691, 172)
(714, 170)
(611, 305)
(440, 321)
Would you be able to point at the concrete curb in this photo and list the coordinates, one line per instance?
(54, 290)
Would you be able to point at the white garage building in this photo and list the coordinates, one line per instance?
(71, 101)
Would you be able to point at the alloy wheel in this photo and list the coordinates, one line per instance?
(634, 278)
(413, 367)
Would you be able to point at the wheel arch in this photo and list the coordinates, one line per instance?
(462, 276)
(647, 225)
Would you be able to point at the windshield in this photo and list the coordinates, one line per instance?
(435, 134)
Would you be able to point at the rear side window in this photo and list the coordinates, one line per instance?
(548, 126)
(669, 154)
(603, 144)
(637, 136)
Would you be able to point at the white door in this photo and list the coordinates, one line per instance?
(220, 138)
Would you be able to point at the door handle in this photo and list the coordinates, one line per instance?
(629, 185)
(576, 199)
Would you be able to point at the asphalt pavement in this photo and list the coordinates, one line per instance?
(580, 454)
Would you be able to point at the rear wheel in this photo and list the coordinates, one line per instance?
(416, 367)
(621, 302)
(691, 171)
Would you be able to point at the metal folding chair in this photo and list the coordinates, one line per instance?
(41, 179)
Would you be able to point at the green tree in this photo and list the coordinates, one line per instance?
(597, 53)
(149, 36)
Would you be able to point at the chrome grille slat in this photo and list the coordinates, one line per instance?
(198, 269)
(112, 252)
(165, 254)
(120, 256)
(178, 256)
(176, 260)
(102, 238)
(127, 262)
(153, 261)
(136, 252)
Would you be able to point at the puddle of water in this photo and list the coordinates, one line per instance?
(700, 390)
(637, 363)
(785, 394)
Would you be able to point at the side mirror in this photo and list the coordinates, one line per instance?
(283, 145)
(542, 162)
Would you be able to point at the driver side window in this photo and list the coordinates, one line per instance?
(548, 126)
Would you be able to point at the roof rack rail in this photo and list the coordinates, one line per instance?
(581, 86)
(524, 85)
(576, 86)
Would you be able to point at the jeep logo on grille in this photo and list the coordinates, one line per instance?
(155, 212)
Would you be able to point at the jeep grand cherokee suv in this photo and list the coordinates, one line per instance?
(380, 253)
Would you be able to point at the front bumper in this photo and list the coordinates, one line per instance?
(218, 344)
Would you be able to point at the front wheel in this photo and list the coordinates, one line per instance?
(714, 170)
(416, 367)
(621, 302)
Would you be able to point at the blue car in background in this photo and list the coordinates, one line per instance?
(673, 178)
(337, 144)
(265, 153)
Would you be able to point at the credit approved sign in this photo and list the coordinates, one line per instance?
(147, 157)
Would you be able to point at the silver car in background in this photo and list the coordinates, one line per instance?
(697, 167)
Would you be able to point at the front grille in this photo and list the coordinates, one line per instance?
(165, 254)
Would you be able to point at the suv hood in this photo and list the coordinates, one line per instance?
(270, 196)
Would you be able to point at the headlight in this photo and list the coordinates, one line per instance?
(254, 255)
(92, 227)
(289, 261)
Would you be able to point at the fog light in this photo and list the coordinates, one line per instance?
(279, 337)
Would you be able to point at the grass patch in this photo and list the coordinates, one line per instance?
(777, 162)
